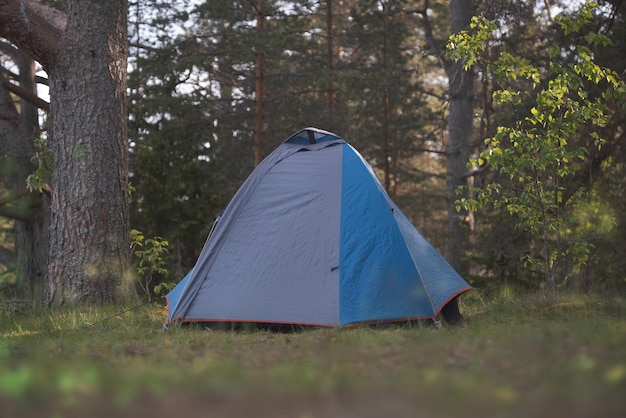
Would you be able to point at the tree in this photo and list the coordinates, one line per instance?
(383, 94)
(330, 59)
(259, 91)
(460, 125)
(84, 52)
(191, 118)
(29, 209)
(541, 154)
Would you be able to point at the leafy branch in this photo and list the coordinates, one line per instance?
(149, 257)
(538, 154)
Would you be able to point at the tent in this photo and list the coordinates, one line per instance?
(312, 238)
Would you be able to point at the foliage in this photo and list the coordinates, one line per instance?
(191, 124)
(538, 154)
(150, 261)
(43, 159)
(383, 103)
(192, 100)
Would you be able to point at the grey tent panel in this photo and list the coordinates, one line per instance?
(287, 275)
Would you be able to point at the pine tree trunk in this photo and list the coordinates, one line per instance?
(31, 252)
(386, 113)
(20, 126)
(89, 236)
(330, 85)
(259, 134)
(461, 110)
(31, 233)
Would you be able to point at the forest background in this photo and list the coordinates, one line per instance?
(215, 85)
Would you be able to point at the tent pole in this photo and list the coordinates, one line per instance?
(213, 226)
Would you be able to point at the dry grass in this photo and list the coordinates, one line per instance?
(514, 358)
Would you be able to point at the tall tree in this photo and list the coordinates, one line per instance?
(29, 209)
(259, 126)
(460, 112)
(191, 117)
(545, 165)
(383, 95)
(460, 124)
(84, 51)
(330, 63)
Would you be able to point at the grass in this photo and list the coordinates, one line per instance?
(515, 357)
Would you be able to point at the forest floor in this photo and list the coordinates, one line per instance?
(519, 357)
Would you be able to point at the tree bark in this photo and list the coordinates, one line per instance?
(33, 27)
(85, 56)
(89, 243)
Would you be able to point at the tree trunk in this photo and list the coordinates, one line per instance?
(31, 252)
(330, 85)
(31, 233)
(386, 114)
(460, 115)
(84, 53)
(89, 237)
(19, 125)
(259, 134)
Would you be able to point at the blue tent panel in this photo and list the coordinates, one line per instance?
(379, 280)
(174, 294)
(436, 274)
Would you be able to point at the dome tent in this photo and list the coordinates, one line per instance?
(312, 238)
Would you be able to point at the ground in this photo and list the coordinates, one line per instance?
(508, 359)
